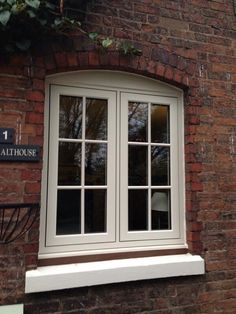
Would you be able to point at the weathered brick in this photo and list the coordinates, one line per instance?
(34, 118)
(35, 95)
(32, 188)
(93, 58)
(72, 59)
(83, 59)
(61, 60)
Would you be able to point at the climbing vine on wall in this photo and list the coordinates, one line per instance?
(25, 22)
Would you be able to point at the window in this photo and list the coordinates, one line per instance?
(113, 165)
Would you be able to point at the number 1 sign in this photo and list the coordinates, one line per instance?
(6, 136)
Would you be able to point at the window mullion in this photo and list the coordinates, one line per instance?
(83, 167)
(149, 166)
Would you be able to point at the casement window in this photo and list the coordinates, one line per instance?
(113, 183)
(113, 165)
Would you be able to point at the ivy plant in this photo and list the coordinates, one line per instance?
(124, 47)
(25, 22)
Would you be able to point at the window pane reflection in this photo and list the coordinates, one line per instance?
(138, 156)
(70, 117)
(95, 164)
(138, 120)
(68, 212)
(138, 210)
(69, 164)
(95, 211)
(96, 119)
(160, 157)
(160, 205)
(159, 124)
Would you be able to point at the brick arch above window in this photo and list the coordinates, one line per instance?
(162, 65)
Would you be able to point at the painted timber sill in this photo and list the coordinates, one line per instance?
(50, 278)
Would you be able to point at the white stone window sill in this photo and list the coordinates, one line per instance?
(105, 272)
(11, 309)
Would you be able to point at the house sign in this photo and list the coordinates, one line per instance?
(11, 152)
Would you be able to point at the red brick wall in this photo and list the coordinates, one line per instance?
(188, 43)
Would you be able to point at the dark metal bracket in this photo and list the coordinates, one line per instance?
(16, 220)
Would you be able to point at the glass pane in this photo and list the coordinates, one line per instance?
(138, 210)
(70, 117)
(96, 119)
(95, 164)
(95, 211)
(138, 161)
(160, 124)
(160, 204)
(160, 157)
(138, 120)
(69, 164)
(68, 212)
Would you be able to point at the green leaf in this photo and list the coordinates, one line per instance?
(125, 47)
(93, 36)
(17, 8)
(137, 52)
(43, 22)
(49, 5)
(107, 43)
(23, 45)
(31, 13)
(4, 17)
(11, 2)
(57, 22)
(33, 3)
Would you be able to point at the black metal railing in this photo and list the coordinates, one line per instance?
(16, 220)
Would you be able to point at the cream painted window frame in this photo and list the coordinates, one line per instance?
(122, 84)
(174, 231)
(62, 240)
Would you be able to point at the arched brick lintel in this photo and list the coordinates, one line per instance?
(176, 71)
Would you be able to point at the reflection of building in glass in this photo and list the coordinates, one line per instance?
(160, 206)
